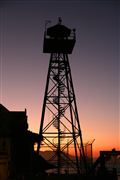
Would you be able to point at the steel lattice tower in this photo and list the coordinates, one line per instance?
(60, 126)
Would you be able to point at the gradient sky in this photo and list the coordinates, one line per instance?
(94, 62)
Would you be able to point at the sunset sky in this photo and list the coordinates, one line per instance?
(94, 62)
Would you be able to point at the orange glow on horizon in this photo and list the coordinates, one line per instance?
(106, 136)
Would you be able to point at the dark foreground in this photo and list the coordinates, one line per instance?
(73, 177)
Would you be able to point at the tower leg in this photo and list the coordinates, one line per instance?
(44, 107)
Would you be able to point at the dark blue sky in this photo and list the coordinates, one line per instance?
(94, 62)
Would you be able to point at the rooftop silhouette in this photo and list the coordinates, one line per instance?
(17, 146)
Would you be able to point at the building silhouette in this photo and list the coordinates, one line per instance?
(17, 155)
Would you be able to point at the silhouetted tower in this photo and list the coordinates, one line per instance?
(60, 126)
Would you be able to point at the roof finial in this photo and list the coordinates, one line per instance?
(59, 20)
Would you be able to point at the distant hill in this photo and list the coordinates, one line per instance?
(51, 155)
